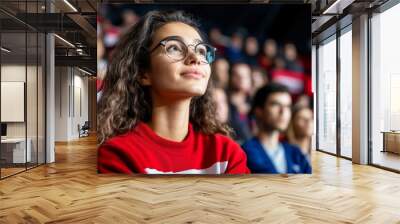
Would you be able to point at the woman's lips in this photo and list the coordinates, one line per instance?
(195, 74)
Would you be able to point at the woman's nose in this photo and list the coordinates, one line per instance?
(192, 57)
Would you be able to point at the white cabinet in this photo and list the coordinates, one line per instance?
(17, 147)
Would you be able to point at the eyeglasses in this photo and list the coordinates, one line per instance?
(177, 50)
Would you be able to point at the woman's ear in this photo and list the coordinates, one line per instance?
(145, 79)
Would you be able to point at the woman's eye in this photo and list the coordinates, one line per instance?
(174, 48)
(202, 51)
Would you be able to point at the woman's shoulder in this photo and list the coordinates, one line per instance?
(222, 137)
(116, 139)
(122, 138)
(225, 141)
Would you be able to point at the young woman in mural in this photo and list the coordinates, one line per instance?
(156, 114)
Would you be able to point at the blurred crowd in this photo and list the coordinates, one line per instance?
(244, 64)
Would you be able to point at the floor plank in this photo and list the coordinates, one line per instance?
(71, 191)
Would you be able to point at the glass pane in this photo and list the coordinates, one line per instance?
(327, 96)
(22, 79)
(346, 94)
(31, 97)
(13, 86)
(385, 86)
(41, 98)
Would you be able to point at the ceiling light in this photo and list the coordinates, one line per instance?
(70, 5)
(84, 71)
(331, 7)
(64, 40)
(5, 49)
(337, 7)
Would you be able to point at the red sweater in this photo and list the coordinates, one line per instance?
(141, 150)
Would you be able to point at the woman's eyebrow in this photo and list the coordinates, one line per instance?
(196, 41)
(173, 38)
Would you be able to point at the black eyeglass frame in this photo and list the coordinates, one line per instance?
(164, 41)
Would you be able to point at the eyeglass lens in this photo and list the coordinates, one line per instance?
(177, 50)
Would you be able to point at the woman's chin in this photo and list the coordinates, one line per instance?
(195, 91)
(198, 92)
(187, 93)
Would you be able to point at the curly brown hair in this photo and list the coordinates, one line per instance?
(125, 101)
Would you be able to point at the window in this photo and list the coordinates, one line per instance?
(327, 96)
(22, 101)
(385, 88)
(346, 92)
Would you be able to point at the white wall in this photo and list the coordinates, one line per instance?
(71, 93)
(61, 103)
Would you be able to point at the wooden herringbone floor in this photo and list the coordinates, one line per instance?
(70, 191)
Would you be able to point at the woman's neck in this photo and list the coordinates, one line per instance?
(170, 119)
(304, 143)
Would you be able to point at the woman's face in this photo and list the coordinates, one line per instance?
(221, 70)
(290, 52)
(177, 79)
(270, 48)
(251, 46)
(259, 79)
(303, 123)
(241, 77)
(221, 102)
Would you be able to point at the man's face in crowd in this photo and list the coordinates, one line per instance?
(276, 112)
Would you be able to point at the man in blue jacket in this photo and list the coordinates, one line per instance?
(265, 153)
